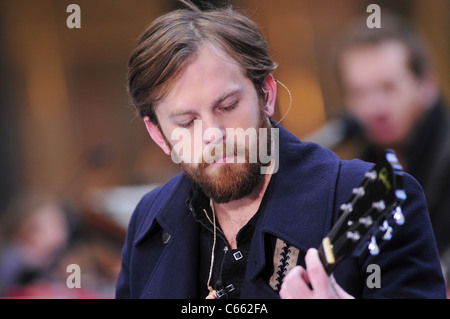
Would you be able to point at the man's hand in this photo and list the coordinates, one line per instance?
(312, 282)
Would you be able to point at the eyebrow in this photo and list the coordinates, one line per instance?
(216, 102)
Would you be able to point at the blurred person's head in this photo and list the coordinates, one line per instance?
(386, 79)
(37, 224)
(211, 66)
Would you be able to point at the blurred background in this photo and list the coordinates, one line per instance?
(75, 158)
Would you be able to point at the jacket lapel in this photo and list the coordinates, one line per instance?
(175, 272)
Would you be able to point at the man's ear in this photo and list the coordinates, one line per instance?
(270, 90)
(156, 135)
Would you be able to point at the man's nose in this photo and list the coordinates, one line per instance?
(214, 131)
(377, 102)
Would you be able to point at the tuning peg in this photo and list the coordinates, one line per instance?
(391, 157)
(347, 208)
(387, 229)
(373, 246)
(366, 221)
(359, 191)
(372, 175)
(398, 216)
(400, 194)
(354, 236)
(380, 205)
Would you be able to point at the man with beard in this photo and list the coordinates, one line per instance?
(222, 229)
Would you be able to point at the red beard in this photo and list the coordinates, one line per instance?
(230, 181)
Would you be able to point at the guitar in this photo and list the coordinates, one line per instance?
(366, 216)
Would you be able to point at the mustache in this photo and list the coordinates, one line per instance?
(218, 151)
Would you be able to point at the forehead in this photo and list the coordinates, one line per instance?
(208, 76)
(374, 60)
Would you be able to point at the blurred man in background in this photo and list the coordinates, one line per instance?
(390, 89)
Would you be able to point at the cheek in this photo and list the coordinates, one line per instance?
(408, 118)
(408, 107)
(363, 112)
(251, 115)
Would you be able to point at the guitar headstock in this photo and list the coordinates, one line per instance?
(366, 217)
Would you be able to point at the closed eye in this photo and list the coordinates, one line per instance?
(186, 124)
(229, 107)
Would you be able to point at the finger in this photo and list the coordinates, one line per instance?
(318, 277)
(305, 277)
(294, 285)
(285, 293)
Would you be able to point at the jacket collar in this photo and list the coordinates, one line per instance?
(167, 209)
(302, 193)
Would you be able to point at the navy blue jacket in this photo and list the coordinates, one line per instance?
(160, 257)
